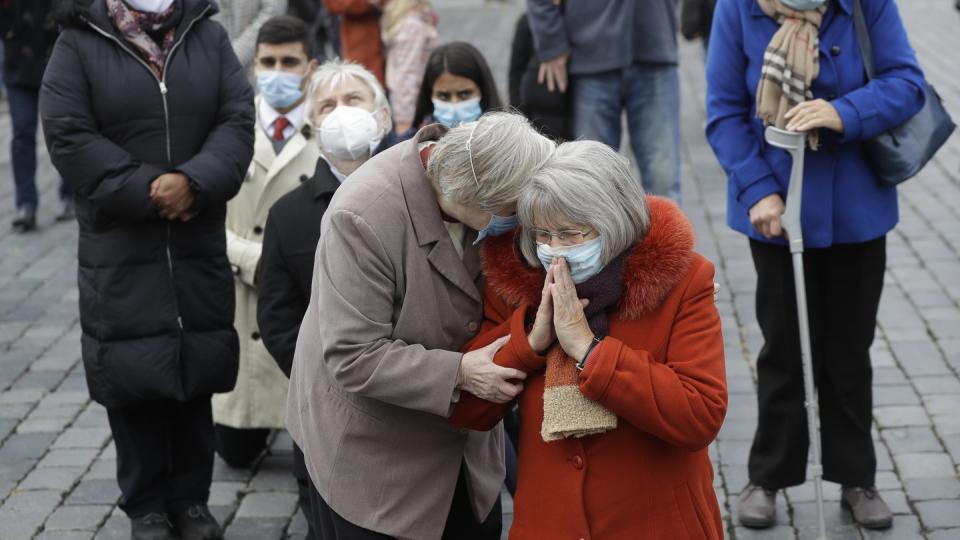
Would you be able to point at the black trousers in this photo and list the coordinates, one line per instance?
(461, 523)
(304, 487)
(843, 284)
(239, 447)
(164, 455)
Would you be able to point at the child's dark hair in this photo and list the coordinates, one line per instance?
(463, 60)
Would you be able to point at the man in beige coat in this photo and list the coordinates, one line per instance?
(282, 158)
(396, 294)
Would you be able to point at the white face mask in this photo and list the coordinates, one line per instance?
(150, 6)
(349, 133)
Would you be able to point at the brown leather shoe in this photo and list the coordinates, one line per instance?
(757, 507)
(867, 507)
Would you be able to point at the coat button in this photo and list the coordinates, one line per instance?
(835, 50)
(473, 326)
(255, 336)
(577, 462)
(258, 230)
(304, 178)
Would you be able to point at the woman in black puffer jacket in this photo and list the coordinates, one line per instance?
(149, 117)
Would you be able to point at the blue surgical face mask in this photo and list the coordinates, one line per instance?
(498, 225)
(804, 5)
(279, 88)
(583, 259)
(454, 114)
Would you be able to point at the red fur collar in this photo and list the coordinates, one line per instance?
(651, 271)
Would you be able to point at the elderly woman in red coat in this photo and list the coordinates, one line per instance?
(611, 315)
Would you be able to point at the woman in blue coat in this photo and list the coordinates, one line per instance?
(846, 215)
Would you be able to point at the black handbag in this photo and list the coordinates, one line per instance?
(898, 154)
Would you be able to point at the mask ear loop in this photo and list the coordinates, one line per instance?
(470, 153)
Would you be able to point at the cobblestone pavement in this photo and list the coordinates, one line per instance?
(57, 463)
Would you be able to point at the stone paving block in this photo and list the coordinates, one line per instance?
(282, 444)
(115, 528)
(66, 397)
(888, 375)
(942, 404)
(924, 489)
(896, 395)
(946, 424)
(780, 532)
(952, 443)
(76, 437)
(94, 492)
(274, 474)
(901, 415)
(43, 425)
(69, 457)
(939, 514)
(936, 385)
(7, 425)
(944, 534)
(887, 480)
(262, 528)
(102, 469)
(64, 410)
(15, 412)
(267, 505)
(897, 501)
(84, 518)
(21, 395)
(840, 524)
(64, 535)
(24, 512)
(93, 416)
(924, 465)
(911, 440)
(59, 479)
(47, 380)
(225, 473)
(904, 528)
(225, 493)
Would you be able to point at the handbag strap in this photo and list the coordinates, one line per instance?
(863, 39)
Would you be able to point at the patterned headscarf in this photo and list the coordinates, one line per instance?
(137, 28)
(790, 63)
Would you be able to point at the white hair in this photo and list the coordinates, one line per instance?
(332, 73)
(585, 183)
(485, 164)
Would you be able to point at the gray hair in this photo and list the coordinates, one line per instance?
(587, 183)
(332, 73)
(485, 164)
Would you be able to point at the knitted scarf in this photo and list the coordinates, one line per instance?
(151, 34)
(566, 412)
(790, 63)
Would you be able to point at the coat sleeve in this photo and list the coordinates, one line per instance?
(218, 170)
(549, 31)
(280, 304)
(356, 284)
(730, 110)
(682, 401)
(244, 257)
(245, 43)
(896, 92)
(520, 56)
(93, 166)
(406, 62)
(472, 412)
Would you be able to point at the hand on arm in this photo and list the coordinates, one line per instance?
(480, 376)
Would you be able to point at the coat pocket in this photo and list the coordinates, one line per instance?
(690, 512)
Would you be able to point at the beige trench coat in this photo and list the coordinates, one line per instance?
(376, 363)
(259, 398)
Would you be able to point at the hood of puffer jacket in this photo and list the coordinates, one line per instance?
(652, 269)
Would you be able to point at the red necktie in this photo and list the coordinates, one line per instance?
(279, 125)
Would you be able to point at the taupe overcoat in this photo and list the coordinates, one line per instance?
(376, 363)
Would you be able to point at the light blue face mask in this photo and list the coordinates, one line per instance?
(498, 225)
(804, 5)
(583, 259)
(454, 114)
(279, 88)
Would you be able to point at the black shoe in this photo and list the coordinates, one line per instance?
(67, 211)
(153, 526)
(26, 219)
(195, 522)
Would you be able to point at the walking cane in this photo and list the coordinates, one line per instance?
(795, 143)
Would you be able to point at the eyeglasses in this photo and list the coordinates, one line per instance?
(567, 238)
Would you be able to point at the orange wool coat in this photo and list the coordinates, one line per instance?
(360, 33)
(660, 370)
